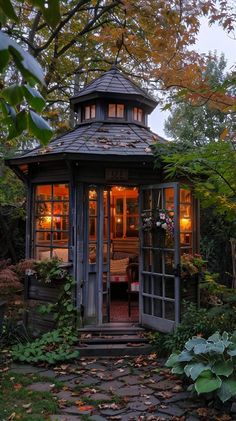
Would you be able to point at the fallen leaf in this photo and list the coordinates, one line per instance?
(202, 412)
(26, 405)
(86, 408)
(17, 386)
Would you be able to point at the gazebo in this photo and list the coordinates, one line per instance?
(96, 200)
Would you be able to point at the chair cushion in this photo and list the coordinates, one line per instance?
(119, 266)
(134, 287)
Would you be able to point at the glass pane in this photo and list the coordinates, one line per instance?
(147, 238)
(157, 199)
(147, 200)
(112, 110)
(159, 237)
(60, 238)
(60, 192)
(60, 208)
(92, 208)
(61, 254)
(140, 114)
(169, 308)
(169, 287)
(119, 206)
(105, 228)
(157, 286)
(119, 226)
(87, 113)
(92, 253)
(157, 307)
(105, 253)
(92, 228)
(132, 206)
(147, 305)
(60, 223)
(43, 223)
(157, 261)
(42, 253)
(93, 111)
(147, 260)
(43, 208)
(135, 113)
(169, 263)
(186, 239)
(169, 198)
(92, 194)
(132, 226)
(120, 110)
(147, 284)
(44, 192)
(185, 196)
(43, 238)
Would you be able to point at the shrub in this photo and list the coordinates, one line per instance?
(209, 363)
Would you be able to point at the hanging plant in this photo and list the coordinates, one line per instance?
(159, 218)
(164, 220)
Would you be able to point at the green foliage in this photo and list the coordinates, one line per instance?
(48, 270)
(191, 264)
(16, 99)
(209, 363)
(203, 322)
(52, 347)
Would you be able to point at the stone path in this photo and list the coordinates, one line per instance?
(126, 389)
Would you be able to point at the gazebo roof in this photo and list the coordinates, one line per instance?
(99, 138)
(113, 82)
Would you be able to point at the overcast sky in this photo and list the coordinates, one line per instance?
(209, 39)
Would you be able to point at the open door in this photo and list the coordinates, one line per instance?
(160, 256)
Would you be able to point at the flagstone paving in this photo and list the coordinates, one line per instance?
(126, 389)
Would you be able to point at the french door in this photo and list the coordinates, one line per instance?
(159, 256)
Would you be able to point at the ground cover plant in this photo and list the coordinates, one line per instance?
(209, 363)
(19, 402)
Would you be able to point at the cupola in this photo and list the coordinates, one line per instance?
(112, 98)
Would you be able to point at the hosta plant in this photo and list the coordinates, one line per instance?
(209, 363)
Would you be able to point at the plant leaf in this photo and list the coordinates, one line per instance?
(190, 344)
(223, 368)
(197, 369)
(172, 360)
(34, 98)
(39, 127)
(13, 94)
(8, 9)
(207, 382)
(227, 389)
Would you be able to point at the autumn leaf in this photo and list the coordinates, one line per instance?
(17, 386)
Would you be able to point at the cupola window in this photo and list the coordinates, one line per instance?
(89, 112)
(116, 110)
(138, 114)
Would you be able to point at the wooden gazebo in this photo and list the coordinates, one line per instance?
(96, 200)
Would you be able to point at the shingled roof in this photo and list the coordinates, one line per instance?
(101, 139)
(114, 82)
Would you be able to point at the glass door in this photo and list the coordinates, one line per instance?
(97, 255)
(160, 256)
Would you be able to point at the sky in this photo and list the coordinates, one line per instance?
(209, 39)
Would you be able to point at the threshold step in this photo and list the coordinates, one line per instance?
(112, 340)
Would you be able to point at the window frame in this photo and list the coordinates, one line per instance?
(116, 105)
(51, 246)
(138, 111)
(90, 107)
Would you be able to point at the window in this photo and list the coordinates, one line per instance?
(116, 110)
(89, 112)
(52, 221)
(125, 203)
(138, 114)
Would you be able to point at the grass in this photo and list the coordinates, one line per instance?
(22, 404)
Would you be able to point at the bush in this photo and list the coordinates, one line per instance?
(209, 363)
(203, 322)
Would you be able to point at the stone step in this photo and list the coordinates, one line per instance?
(118, 339)
(113, 350)
(112, 329)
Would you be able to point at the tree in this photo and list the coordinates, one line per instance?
(202, 124)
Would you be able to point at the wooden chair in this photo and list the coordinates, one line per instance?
(132, 271)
